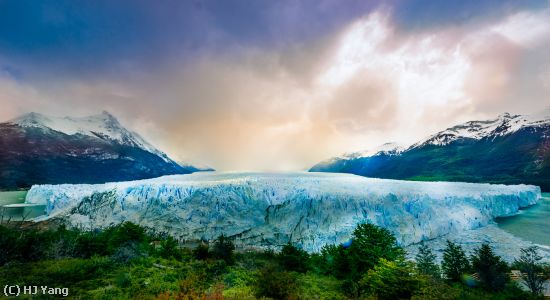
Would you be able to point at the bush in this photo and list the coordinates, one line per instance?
(335, 261)
(224, 249)
(276, 284)
(391, 280)
(169, 248)
(292, 258)
(125, 254)
(201, 252)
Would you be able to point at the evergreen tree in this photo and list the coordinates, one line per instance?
(492, 270)
(201, 252)
(293, 258)
(532, 270)
(455, 263)
(223, 249)
(425, 262)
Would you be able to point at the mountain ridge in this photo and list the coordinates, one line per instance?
(36, 148)
(508, 149)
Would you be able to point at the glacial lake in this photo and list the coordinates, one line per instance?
(10, 207)
(532, 223)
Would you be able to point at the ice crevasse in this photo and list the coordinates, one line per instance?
(271, 209)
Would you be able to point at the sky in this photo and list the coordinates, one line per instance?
(275, 85)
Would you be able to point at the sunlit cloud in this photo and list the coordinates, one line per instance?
(290, 105)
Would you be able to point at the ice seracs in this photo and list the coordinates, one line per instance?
(268, 210)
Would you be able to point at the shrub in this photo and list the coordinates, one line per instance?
(126, 253)
(201, 252)
(169, 247)
(292, 258)
(391, 280)
(276, 284)
(224, 249)
(335, 261)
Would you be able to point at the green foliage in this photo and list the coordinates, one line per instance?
(292, 258)
(277, 284)
(239, 281)
(455, 263)
(492, 270)
(169, 248)
(312, 286)
(392, 280)
(425, 262)
(224, 249)
(121, 262)
(335, 260)
(201, 252)
(533, 271)
(370, 243)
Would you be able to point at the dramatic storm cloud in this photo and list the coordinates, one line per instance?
(276, 85)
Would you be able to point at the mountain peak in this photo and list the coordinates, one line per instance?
(107, 115)
(103, 125)
(29, 119)
(504, 124)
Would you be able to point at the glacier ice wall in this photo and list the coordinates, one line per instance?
(266, 210)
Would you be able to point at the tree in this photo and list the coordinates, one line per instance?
(223, 249)
(201, 252)
(335, 261)
(455, 263)
(531, 269)
(392, 280)
(425, 262)
(492, 270)
(369, 244)
(293, 258)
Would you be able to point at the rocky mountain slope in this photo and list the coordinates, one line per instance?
(510, 149)
(37, 149)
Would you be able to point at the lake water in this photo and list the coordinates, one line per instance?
(17, 213)
(532, 224)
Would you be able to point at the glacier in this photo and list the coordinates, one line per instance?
(267, 210)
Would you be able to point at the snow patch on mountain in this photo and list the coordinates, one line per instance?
(384, 149)
(104, 126)
(268, 210)
(503, 125)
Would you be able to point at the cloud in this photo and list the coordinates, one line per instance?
(291, 105)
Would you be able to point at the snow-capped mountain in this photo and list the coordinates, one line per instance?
(507, 149)
(104, 126)
(384, 149)
(504, 124)
(36, 148)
